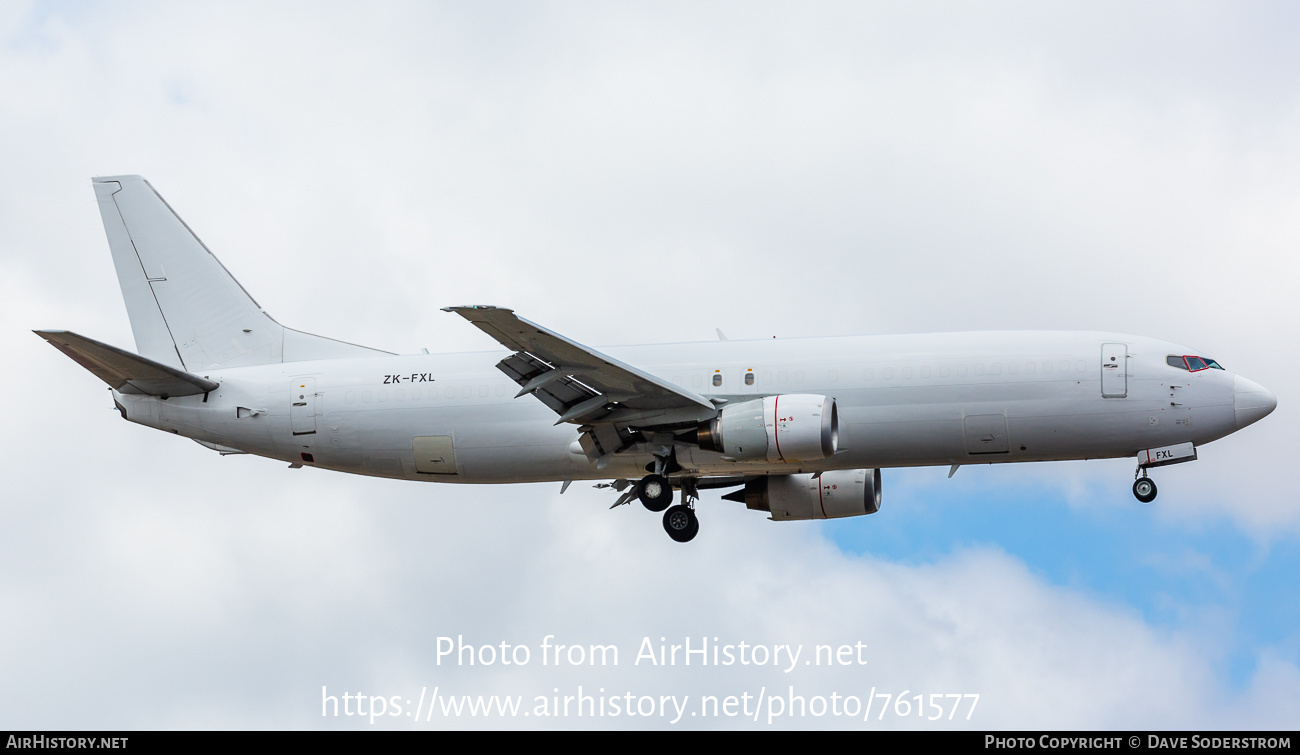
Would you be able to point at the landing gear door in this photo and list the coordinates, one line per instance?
(302, 406)
(1114, 370)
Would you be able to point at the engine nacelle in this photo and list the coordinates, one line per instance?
(841, 493)
(786, 428)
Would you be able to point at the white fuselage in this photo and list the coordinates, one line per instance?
(905, 400)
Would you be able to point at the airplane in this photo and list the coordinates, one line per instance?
(798, 428)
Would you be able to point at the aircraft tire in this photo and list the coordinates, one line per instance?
(1144, 489)
(681, 524)
(655, 492)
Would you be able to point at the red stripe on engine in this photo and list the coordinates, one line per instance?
(776, 425)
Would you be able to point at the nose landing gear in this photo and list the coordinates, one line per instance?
(1144, 488)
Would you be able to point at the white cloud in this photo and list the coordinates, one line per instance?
(213, 605)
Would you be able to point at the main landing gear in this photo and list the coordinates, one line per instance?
(655, 492)
(679, 521)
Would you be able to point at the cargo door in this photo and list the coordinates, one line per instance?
(986, 434)
(434, 454)
(302, 406)
(1114, 370)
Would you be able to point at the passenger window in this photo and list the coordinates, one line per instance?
(717, 379)
(749, 378)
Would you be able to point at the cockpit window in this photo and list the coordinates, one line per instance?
(1192, 363)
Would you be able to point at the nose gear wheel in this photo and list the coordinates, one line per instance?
(1144, 489)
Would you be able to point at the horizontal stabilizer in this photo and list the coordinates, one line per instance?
(124, 371)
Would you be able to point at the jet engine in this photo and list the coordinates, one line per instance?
(791, 427)
(841, 493)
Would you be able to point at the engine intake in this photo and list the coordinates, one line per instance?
(786, 428)
(841, 493)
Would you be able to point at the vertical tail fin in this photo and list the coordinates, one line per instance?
(187, 311)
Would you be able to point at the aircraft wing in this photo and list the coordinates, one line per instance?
(124, 371)
(581, 384)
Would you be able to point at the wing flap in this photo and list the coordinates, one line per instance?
(550, 385)
(124, 371)
(570, 378)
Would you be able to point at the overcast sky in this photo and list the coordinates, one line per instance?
(632, 173)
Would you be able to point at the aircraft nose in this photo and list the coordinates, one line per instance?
(1251, 400)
